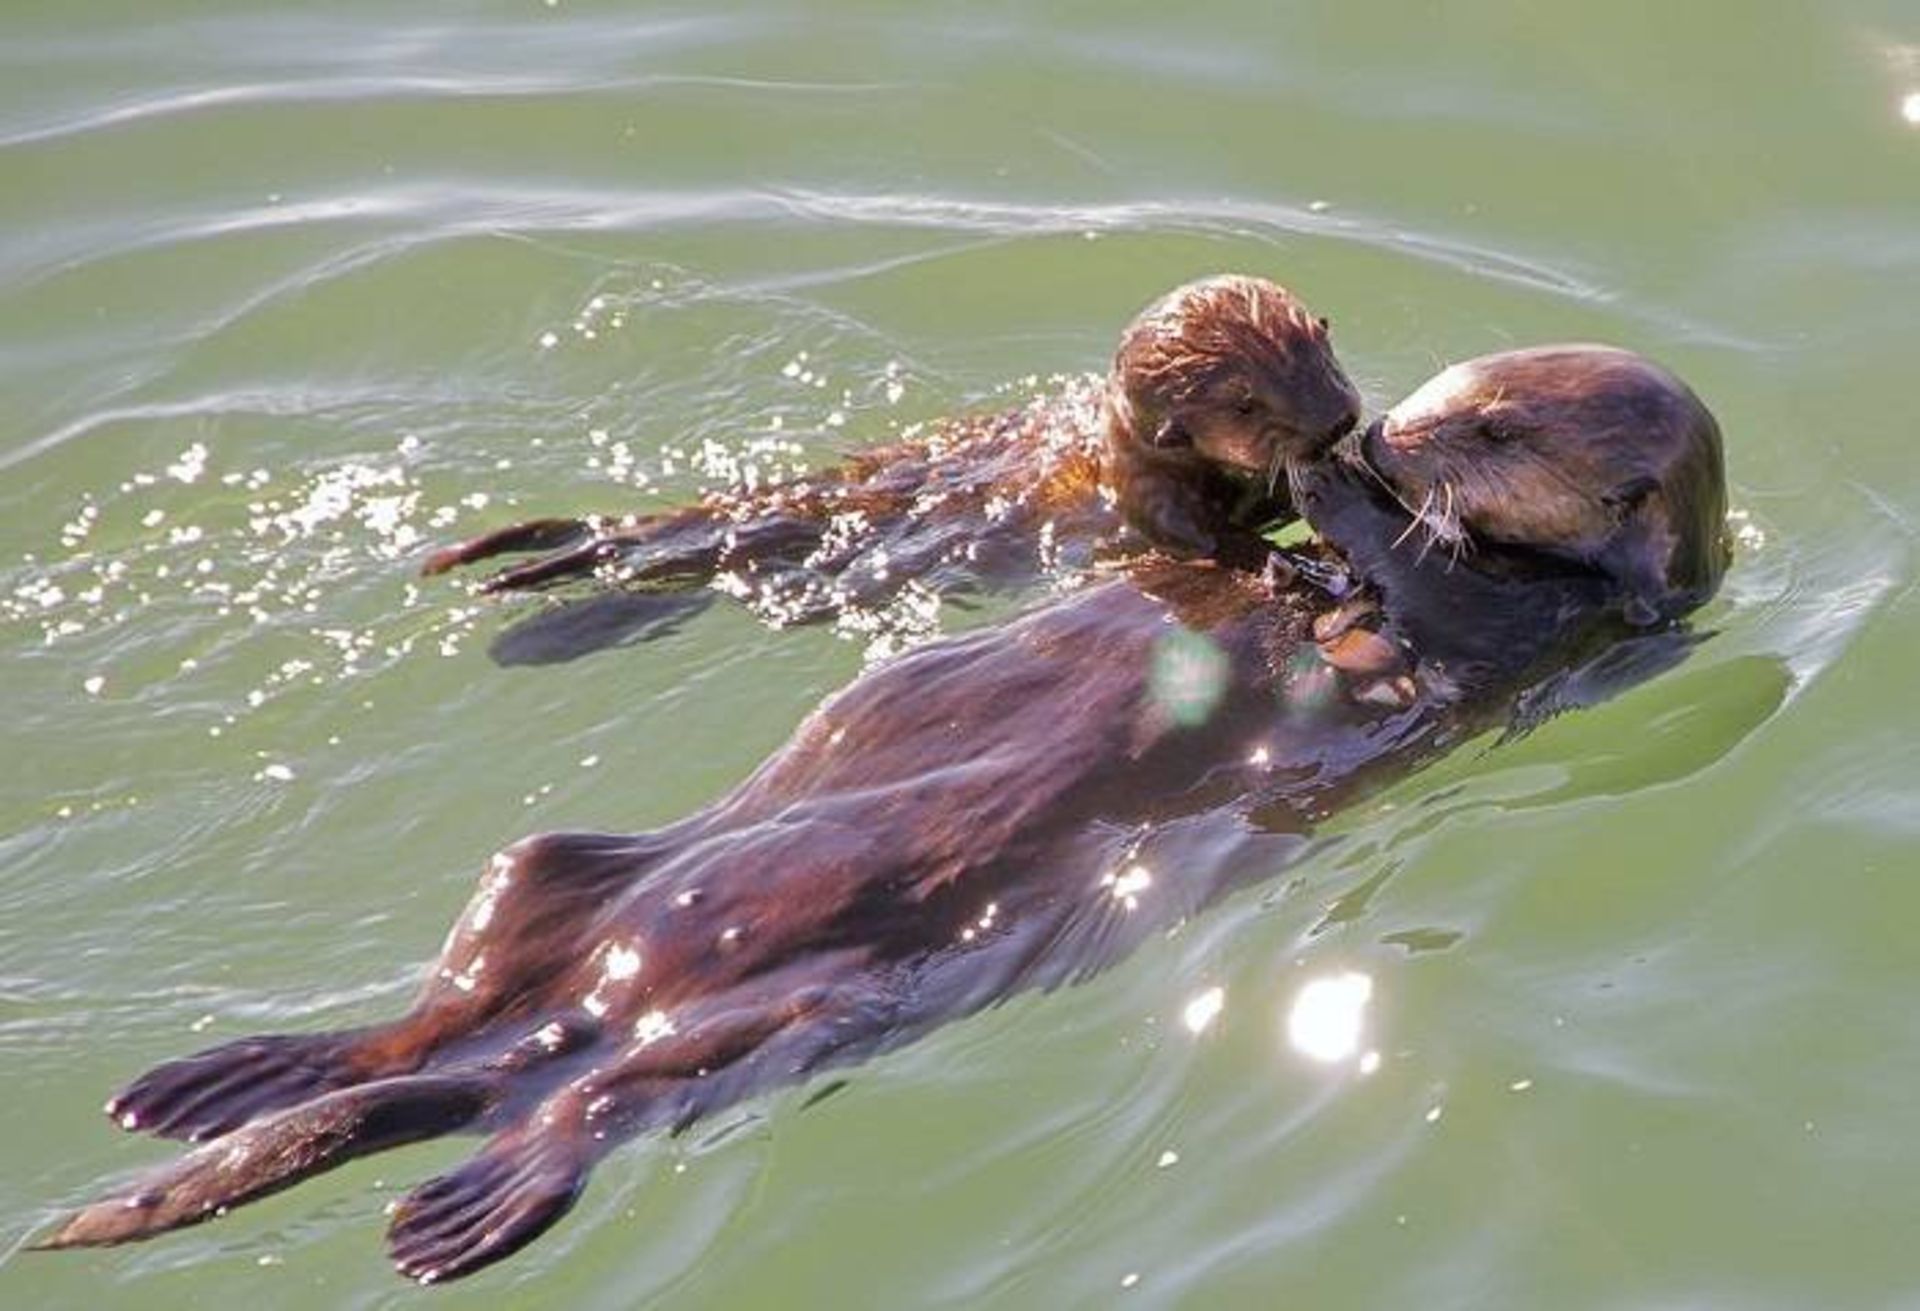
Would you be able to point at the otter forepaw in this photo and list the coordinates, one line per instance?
(488, 1209)
(1330, 578)
(218, 1090)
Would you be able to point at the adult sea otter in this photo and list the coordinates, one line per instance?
(1009, 808)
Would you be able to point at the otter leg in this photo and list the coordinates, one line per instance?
(682, 551)
(579, 562)
(567, 555)
(776, 1029)
(529, 1175)
(674, 551)
(277, 1152)
(515, 936)
(533, 535)
(207, 1094)
(520, 1183)
(679, 544)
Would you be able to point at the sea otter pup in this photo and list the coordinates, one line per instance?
(1005, 809)
(1214, 389)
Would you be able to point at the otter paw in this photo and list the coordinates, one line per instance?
(1361, 652)
(486, 1210)
(208, 1094)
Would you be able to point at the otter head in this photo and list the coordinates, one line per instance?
(1231, 370)
(1226, 375)
(1586, 453)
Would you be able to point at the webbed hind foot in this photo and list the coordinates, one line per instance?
(212, 1092)
(523, 1181)
(533, 535)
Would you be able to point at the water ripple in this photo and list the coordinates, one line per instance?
(452, 208)
(392, 88)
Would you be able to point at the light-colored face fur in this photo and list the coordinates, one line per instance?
(1235, 370)
(1586, 452)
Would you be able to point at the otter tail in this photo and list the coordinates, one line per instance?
(277, 1152)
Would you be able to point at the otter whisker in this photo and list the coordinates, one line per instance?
(1358, 458)
(1445, 525)
(1433, 535)
(1457, 536)
(1442, 522)
(1296, 481)
(1418, 520)
(1354, 452)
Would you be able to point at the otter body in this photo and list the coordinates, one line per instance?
(1006, 809)
(1214, 390)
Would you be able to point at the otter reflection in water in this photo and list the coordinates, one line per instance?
(1006, 809)
(1214, 389)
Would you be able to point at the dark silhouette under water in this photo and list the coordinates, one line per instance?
(1006, 809)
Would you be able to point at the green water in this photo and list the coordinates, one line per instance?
(289, 291)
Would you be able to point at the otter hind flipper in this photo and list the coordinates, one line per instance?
(561, 566)
(529, 1175)
(276, 1152)
(533, 535)
(212, 1092)
(486, 1210)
